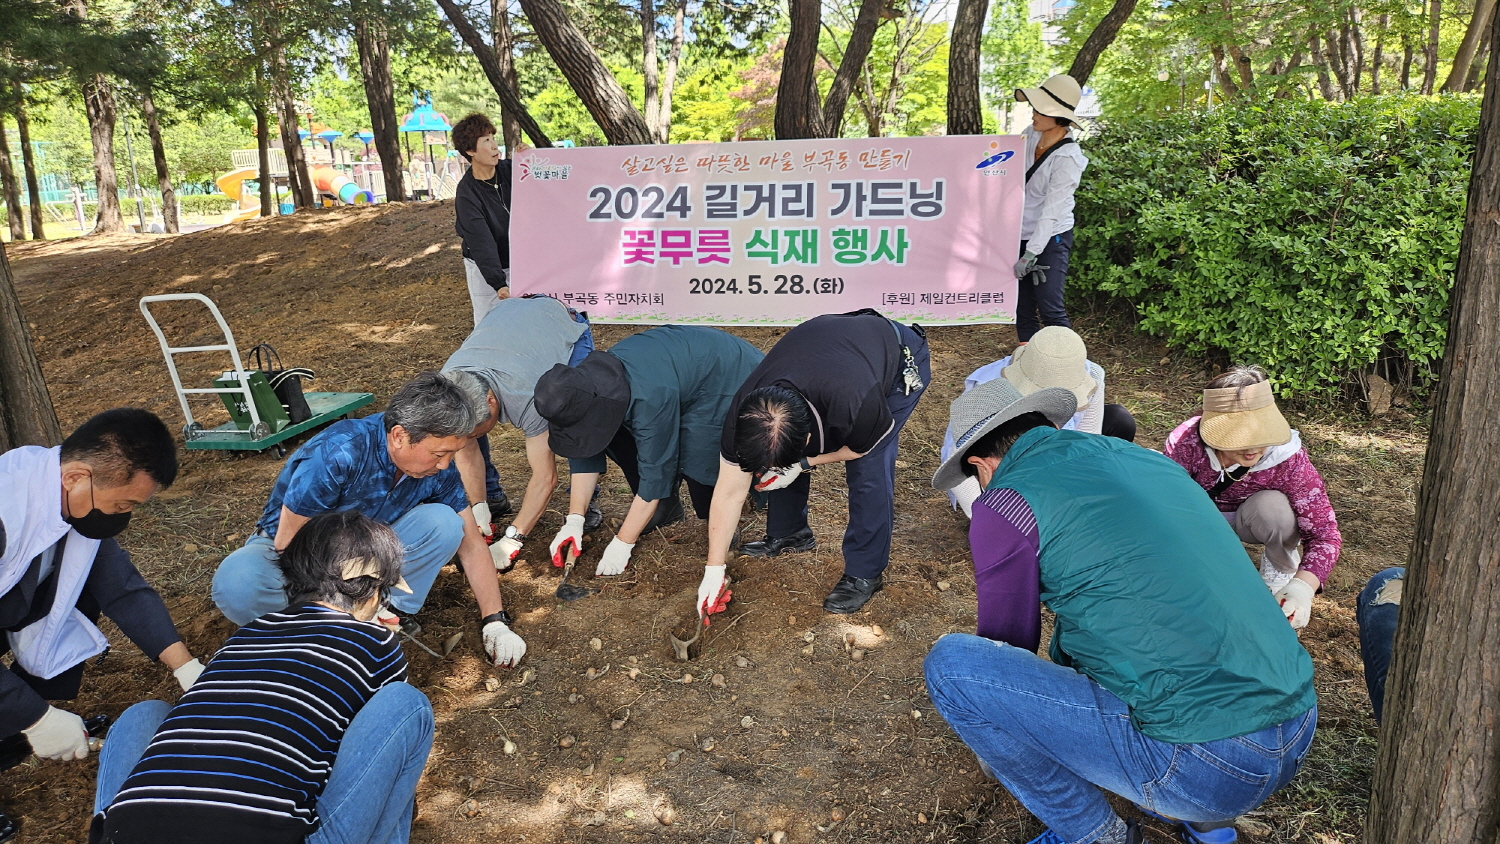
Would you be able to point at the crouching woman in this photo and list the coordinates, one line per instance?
(301, 729)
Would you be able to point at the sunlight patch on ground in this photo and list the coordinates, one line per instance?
(392, 334)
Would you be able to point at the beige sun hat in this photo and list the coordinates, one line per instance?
(987, 407)
(1055, 357)
(1242, 418)
(1057, 97)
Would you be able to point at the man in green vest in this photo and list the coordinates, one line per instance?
(1174, 679)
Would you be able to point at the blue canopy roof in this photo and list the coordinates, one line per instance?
(330, 135)
(364, 136)
(425, 119)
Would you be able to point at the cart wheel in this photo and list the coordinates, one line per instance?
(191, 431)
(281, 451)
(260, 431)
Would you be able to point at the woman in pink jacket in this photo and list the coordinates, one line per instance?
(1252, 464)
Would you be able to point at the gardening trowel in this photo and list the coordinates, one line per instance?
(570, 591)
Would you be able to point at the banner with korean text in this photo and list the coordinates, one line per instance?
(773, 232)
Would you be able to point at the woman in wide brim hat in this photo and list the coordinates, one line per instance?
(1252, 464)
(1054, 164)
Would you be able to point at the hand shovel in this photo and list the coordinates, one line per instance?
(569, 591)
(683, 649)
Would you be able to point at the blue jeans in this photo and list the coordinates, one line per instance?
(581, 348)
(371, 793)
(1045, 299)
(1054, 738)
(871, 478)
(1377, 615)
(248, 583)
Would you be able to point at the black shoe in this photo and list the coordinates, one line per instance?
(668, 512)
(593, 517)
(802, 540)
(500, 505)
(9, 828)
(851, 593)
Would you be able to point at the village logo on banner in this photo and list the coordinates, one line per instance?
(773, 232)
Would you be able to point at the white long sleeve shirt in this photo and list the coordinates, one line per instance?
(1049, 193)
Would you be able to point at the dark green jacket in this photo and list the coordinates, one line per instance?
(682, 380)
(1154, 596)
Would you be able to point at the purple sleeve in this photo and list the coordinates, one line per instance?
(1321, 540)
(1003, 541)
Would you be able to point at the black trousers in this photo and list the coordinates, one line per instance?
(1044, 300)
(1118, 423)
(623, 452)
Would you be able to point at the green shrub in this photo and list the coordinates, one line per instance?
(1316, 239)
(205, 203)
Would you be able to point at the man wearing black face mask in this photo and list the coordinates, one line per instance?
(60, 569)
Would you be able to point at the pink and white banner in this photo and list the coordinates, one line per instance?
(773, 232)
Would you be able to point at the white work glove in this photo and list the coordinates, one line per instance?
(571, 531)
(504, 552)
(616, 558)
(1025, 265)
(777, 478)
(713, 592)
(1296, 599)
(504, 647)
(187, 673)
(58, 734)
(482, 516)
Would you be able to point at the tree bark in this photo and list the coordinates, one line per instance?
(1355, 34)
(861, 38)
(1478, 67)
(1406, 60)
(11, 188)
(28, 163)
(1099, 40)
(263, 155)
(797, 109)
(159, 156)
(1336, 60)
(965, 114)
(375, 68)
(291, 143)
(669, 78)
(1430, 49)
(1325, 84)
(650, 68)
(509, 99)
(26, 413)
(505, 57)
(1226, 82)
(1437, 772)
(1379, 55)
(99, 104)
(600, 92)
(1479, 27)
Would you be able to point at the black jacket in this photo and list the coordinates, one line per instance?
(114, 588)
(484, 222)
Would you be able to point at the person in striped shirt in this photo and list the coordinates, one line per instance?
(301, 729)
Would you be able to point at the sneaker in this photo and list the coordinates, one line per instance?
(9, 827)
(1193, 832)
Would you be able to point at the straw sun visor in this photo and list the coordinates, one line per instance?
(1243, 418)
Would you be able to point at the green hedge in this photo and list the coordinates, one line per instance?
(1316, 239)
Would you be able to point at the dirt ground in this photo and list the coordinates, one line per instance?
(778, 728)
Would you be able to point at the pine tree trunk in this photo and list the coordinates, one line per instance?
(263, 156)
(650, 69)
(1478, 67)
(296, 163)
(505, 56)
(855, 53)
(669, 78)
(797, 108)
(26, 414)
(504, 89)
(1479, 27)
(1437, 772)
(99, 103)
(1099, 40)
(1430, 49)
(159, 156)
(600, 92)
(965, 114)
(28, 163)
(11, 188)
(375, 69)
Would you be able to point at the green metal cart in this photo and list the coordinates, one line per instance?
(258, 420)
